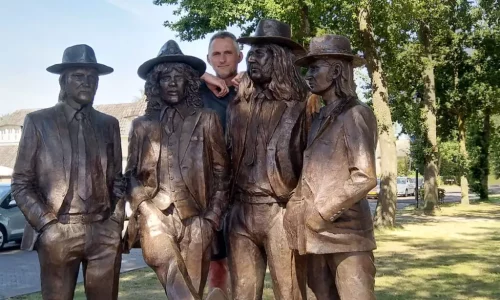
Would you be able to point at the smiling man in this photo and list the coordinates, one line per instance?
(68, 183)
(224, 55)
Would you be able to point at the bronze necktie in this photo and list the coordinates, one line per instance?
(84, 180)
(170, 120)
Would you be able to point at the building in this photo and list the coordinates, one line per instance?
(11, 127)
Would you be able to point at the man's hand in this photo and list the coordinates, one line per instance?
(314, 220)
(216, 85)
(237, 79)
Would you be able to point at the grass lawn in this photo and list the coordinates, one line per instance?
(453, 255)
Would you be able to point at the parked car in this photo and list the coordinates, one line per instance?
(373, 193)
(12, 220)
(406, 186)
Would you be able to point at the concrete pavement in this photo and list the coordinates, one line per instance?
(20, 270)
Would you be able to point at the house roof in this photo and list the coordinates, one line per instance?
(8, 156)
(122, 111)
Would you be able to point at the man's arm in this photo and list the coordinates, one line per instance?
(118, 180)
(360, 137)
(220, 172)
(24, 179)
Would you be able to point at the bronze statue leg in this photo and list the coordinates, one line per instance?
(320, 278)
(246, 259)
(352, 272)
(256, 238)
(101, 267)
(169, 246)
(287, 283)
(59, 265)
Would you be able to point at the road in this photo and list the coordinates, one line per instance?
(19, 270)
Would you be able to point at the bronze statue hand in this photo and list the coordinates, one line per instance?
(315, 221)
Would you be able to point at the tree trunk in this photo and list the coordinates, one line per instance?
(485, 151)
(464, 183)
(385, 213)
(429, 111)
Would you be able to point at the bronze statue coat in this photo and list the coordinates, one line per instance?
(42, 169)
(338, 172)
(204, 167)
(285, 147)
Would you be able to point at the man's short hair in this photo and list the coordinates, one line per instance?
(225, 35)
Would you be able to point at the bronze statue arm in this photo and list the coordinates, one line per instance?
(118, 180)
(360, 135)
(220, 172)
(24, 179)
(135, 191)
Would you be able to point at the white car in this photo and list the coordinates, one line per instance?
(406, 186)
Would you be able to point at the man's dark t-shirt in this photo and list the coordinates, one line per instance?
(219, 105)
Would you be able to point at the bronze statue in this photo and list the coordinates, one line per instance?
(266, 135)
(68, 183)
(177, 172)
(329, 217)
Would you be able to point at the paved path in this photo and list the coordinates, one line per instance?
(20, 271)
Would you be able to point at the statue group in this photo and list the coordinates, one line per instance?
(278, 190)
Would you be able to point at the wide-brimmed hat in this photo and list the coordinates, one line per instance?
(79, 56)
(330, 46)
(273, 32)
(170, 52)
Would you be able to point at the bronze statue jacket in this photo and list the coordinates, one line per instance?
(285, 148)
(43, 165)
(203, 162)
(339, 170)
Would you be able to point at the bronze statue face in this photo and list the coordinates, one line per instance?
(321, 74)
(259, 64)
(80, 85)
(172, 86)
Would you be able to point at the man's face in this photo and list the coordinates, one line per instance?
(81, 85)
(320, 75)
(259, 64)
(224, 57)
(172, 86)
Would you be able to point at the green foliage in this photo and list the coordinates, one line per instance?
(452, 162)
(404, 166)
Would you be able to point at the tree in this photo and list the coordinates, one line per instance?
(356, 19)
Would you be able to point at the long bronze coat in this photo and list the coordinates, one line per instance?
(203, 163)
(43, 165)
(339, 170)
(284, 151)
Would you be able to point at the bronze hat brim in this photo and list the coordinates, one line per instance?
(278, 40)
(196, 63)
(309, 59)
(60, 68)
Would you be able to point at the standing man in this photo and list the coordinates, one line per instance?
(329, 216)
(266, 135)
(224, 55)
(67, 181)
(177, 174)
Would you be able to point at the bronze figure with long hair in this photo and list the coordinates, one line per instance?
(177, 173)
(266, 135)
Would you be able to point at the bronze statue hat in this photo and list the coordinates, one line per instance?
(273, 32)
(170, 52)
(330, 46)
(79, 56)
